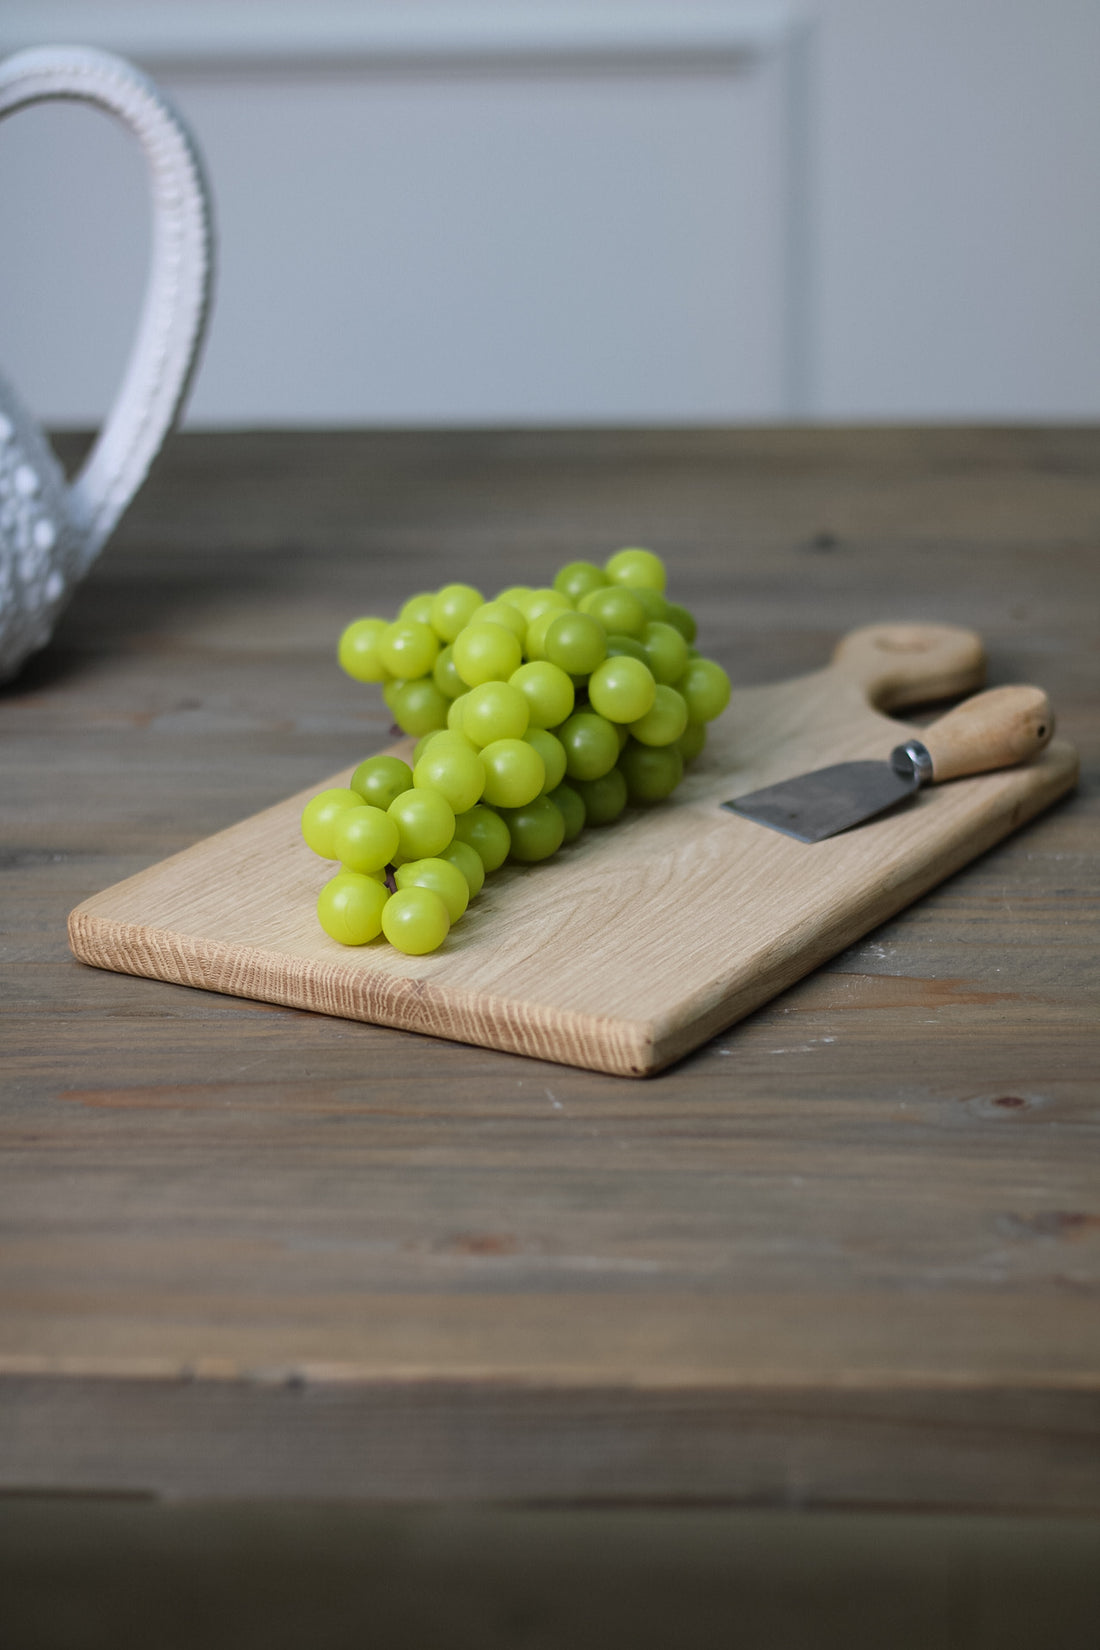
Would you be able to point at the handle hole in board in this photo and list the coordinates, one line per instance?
(892, 644)
(920, 714)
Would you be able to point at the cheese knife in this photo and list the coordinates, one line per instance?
(996, 729)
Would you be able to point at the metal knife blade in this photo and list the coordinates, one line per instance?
(829, 800)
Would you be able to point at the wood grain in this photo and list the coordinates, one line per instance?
(635, 944)
(849, 1253)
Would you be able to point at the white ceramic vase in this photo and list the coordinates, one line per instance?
(51, 532)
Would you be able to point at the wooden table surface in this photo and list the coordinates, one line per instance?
(844, 1254)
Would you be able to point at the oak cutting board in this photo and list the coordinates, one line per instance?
(639, 941)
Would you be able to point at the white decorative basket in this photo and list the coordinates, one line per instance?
(50, 532)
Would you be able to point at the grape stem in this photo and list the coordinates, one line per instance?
(391, 880)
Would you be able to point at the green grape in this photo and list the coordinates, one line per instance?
(577, 578)
(350, 907)
(452, 609)
(357, 650)
(455, 770)
(533, 603)
(552, 752)
(679, 616)
(425, 823)
(604, 798)
(494, 710)
(485, 652)
(665, 651)
(365, 838)
(444, 674)
(319, 818)
(652, 600)
(651, 772)
(390, 687)
(706, 689)
(454, 714)
(418, 608)
(537, 830)
(513, 595)
(423, 742)
(408, 648)
(486, 832)
(617, 608)
(442, 877)
(514, 773)
(665, 723)
(575, 642)
(534, 642)
(502, 613)
(636, 568)
(415, 921)
(380, 778)
(548, 690)
(418, 707)
(625, 647)
(692, 741)
(447, 739)
(469, 862)
(591, 745)
(621, 689)
(569, 804)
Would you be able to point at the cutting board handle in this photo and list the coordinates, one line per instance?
(897, 665)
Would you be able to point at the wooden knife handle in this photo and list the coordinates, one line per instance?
(993, 730)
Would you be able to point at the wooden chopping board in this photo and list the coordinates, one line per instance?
(639, 941)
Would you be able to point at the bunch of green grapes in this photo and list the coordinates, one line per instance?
(536, 714)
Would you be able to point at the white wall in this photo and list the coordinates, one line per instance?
(958, 208)
(618, 212)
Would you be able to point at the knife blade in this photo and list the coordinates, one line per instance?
(996, 729)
